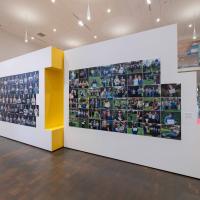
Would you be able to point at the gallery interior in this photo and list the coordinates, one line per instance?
(99, 100)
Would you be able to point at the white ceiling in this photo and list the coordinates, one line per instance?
(127, 16)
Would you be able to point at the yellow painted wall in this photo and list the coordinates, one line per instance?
(54, 98)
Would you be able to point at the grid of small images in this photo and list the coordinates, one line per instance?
(18, 99)
(125, 98)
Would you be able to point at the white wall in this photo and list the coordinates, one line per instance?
(12, 46)
(35, 61)
(181, 157)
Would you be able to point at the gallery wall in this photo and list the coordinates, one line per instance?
(32, 62)
(170, 155)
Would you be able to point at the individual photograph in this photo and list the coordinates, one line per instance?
(135, 116)
(135, 103)
(135, 80)
(135, 128)
(152, 91)
(151, 66)
(171, 132)
(152, 104)
(170, 118)
(135, 91)
(171, 104)
(120, 103)
(120, 126)
(151, 78)
(171, 90)
(135, 67)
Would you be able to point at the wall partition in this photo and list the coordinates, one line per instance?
(31, 87)
(120, 90)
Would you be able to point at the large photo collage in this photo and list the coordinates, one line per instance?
(125, 98)
(18, 95)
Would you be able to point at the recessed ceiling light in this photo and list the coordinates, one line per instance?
(158, 20)
(80, 23)
(54, 30)
(149, 2)
(53, 1)
(95, 37)
(32, 38)
(190, 25)
(109, 10)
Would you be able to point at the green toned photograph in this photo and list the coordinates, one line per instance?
(152, 104)
(120, 103)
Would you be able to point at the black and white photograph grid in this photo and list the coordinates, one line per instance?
(18, 94)
(125, 98)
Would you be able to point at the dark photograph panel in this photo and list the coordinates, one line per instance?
(171, 90)
(152, 117)
(171, 104)
(83, 83)
(18, 99)
(122, 98)
(83, 123)
(135, 67)
(120, 126)
(135, 91)
(152, 91)
(119, 92)
(94, 103)
(83, 73)
(106, 93)
(119, 68)
(120, 115)
(135, 128)
(151, 66)
(94, 124)
(151, 129)
(107, 115)
(106, 81)
(119, 80)
(95, 114)
(106, 125)
(171, 132)
(73, 75)
(94, 72)
(107, 103)
(135, 103)
(171, 118)
(135, 116)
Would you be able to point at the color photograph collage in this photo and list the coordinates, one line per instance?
(18, 95)
(125, 98)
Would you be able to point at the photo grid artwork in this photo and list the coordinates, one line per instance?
(126, 98)
(18, 95)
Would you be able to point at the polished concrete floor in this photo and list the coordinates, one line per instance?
(28, 173)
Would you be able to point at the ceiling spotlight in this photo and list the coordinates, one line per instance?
(88, 12)
(53, 1)
(80, 23)
(32, 38)
(149, 2)
(26, 37)
(109, 10)
(190, 25)
(158, 20)
(54, 30)
(194, 37)
(95, 37)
